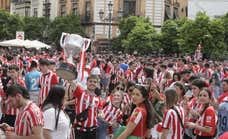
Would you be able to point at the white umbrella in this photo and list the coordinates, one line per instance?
(13, 43)
(36, 44)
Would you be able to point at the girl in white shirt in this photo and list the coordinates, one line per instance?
(56, 121)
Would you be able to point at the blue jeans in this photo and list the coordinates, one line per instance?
(102, 129)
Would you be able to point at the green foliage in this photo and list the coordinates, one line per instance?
(35, 28)
(179, 36)
(137, 34)
(38, 28)
(170, 36)
(9, 24)
(69, 24)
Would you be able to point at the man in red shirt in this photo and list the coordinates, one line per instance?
(15, 78)
(225, 91)
(47, 80)
(29, 120)
(86, 109)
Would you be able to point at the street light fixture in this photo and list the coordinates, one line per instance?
(110, 5)
(109, 18)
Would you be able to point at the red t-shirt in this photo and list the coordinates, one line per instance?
(208, 119)
(224, 136)
(139, 117)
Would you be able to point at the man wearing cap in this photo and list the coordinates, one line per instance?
(46, 81)
(29, 120)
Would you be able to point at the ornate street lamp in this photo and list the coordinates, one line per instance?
(110, 17)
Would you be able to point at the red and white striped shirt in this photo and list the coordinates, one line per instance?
(129, 75)
(84, 100)
(208, 119)
(112, 113)
(10, 110)
(173, 124)
(46, 82)
(31, 116)
(126, 99)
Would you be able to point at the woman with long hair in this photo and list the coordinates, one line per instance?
(141, 118)
(205, 126)
(174, 116)
(56, 121)
(180, 89)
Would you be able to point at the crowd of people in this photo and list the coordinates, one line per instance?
(120, 96)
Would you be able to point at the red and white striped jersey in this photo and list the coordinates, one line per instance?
(112, 113)
(126, 99)
(129, 75)
(10, 110)
(209, 119)
(31, 116)
(46, 81)
(173, 124)
(84, 100)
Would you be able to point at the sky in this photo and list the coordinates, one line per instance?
(211, 7)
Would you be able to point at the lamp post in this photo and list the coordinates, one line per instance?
(109, 18)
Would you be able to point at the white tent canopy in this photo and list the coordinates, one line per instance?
(36, 44)
(24, 43)
(13, 43)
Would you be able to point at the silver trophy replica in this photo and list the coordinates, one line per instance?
(72, 45)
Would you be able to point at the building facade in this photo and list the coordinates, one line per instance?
(100, 17)
(37, 8)
(5, 4)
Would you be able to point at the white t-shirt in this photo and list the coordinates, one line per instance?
(63, 128)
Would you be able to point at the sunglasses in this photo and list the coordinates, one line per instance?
(120, 88)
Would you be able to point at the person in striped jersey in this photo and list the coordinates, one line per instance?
(87, 104)
(205, 126)
(29, 121)
(171, 123)
(10, 112)
(140, 121)
(46, 81)
(111, 114)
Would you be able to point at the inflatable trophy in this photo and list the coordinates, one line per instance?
(72, 45)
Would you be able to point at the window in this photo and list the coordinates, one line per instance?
(63, 10)
(167, 12)
(27, 9)
(47, 8)
(129, 7)
(74, 7)
(87, 11)
(175, 13)
(35, 12)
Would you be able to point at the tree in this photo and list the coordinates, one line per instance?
(68, 24)
(35, 28)
(170, 35)
(9, 24)
(205, 31)
(140, 39)
(136, 34)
